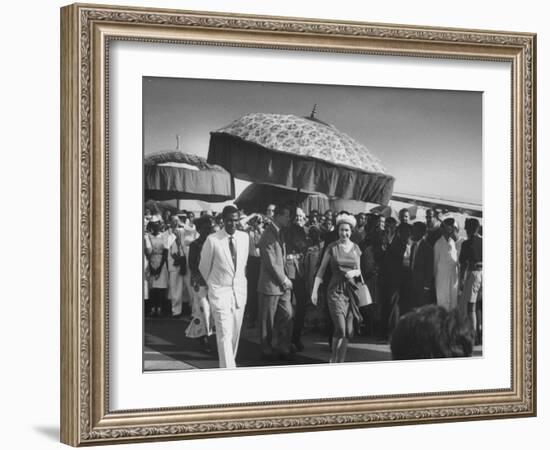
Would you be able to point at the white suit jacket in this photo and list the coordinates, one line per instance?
(216, 266)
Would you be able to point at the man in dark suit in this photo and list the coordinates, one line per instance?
(433, 224)
(422, 267)
(391, 277)
(295, 238)
(274, 289)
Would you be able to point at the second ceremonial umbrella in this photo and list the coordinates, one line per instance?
(176, 175)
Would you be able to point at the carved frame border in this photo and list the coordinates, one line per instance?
(86, 31)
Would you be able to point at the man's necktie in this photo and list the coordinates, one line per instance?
(282, 243)
(233, 251)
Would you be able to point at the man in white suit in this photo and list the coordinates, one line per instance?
(222, 265)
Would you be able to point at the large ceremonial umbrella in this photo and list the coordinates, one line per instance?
(300, 153)
(176, 175)
(256, 197)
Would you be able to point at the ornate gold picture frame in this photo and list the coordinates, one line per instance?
(87, 32)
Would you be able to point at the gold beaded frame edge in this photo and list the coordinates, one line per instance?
(86, 31)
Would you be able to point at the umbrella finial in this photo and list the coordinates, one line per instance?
(313, 111)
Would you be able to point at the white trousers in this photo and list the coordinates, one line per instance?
(228, 320)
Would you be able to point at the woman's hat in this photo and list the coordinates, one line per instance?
(346, 218)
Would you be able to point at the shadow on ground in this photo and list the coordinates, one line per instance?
(165, 339)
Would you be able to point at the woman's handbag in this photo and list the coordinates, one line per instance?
(180, 262)
(363, 294)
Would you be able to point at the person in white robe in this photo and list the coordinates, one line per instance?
(446, 267)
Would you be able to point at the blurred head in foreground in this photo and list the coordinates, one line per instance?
(432, 332)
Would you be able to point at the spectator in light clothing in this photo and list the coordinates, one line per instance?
(146, 217)
(177, 266)
(189, 233)
(471, 274)
(446, 265)
(156, 250)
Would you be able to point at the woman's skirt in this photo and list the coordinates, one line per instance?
(202, 323)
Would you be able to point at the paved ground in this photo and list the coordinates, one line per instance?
(167, 348)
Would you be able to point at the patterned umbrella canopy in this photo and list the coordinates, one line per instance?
(176, 175)
(300, 153)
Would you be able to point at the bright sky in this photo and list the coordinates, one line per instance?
(429, 140)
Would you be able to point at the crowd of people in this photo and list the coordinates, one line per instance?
(363, 273)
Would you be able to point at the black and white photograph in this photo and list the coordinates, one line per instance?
(263, 225)
(290, 223)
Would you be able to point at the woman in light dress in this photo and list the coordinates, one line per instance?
(188, 234)
(202, 324)
(156, 251)
(343, 256)
(177, 266)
